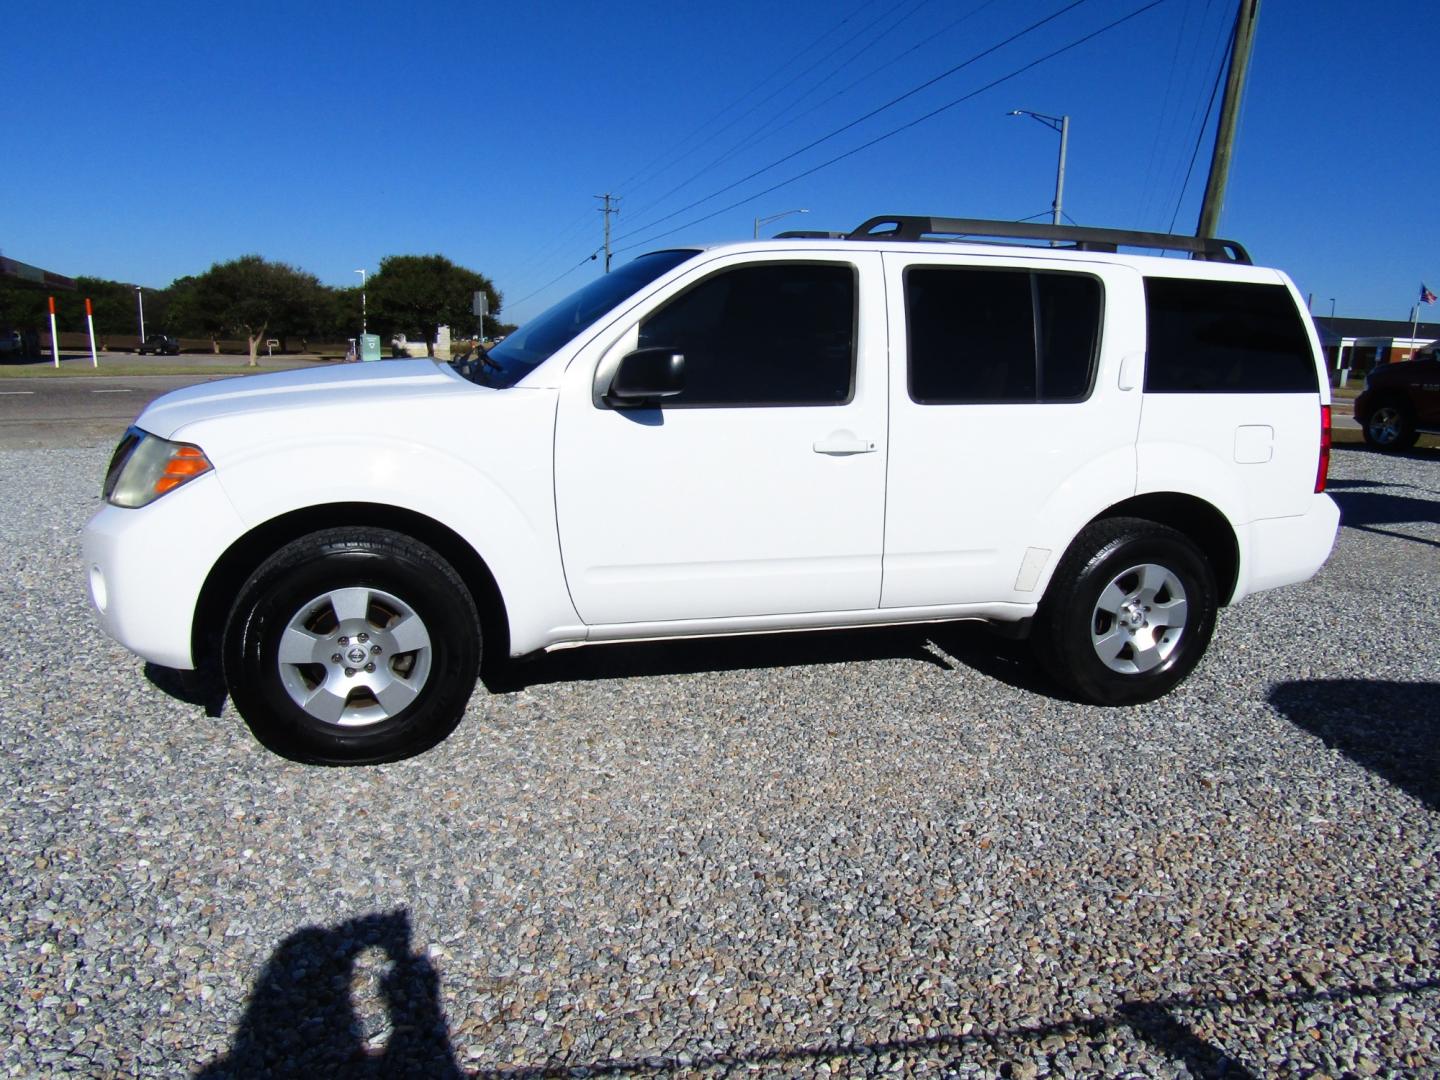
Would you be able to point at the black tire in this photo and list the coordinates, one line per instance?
(406, 647)
(1136, 643)
(1390, 426)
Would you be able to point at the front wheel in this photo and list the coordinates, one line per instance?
(352, 646)
(1128, 614)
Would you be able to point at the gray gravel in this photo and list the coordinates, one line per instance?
(855, 854)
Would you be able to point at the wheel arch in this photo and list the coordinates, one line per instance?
(1201, 522)
(245, 555)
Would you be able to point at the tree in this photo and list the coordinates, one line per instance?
(252, 296)
(115, 307)
(418, 294)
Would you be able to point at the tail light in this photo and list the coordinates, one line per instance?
(1323, 470)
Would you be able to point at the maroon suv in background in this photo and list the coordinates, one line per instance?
(1399, 402)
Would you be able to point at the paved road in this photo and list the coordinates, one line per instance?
(78, 411)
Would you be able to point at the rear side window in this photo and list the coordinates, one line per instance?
(981, 335)
(768, 334)
(1224, 337)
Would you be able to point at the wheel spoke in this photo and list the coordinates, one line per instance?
(396, 695)
(409, 634)
(1171, 613)
(324, 704)
(1108, 646)
(1111, 599)
(350, 604)
(1152, 580)
(302, 647)
(1148, 657)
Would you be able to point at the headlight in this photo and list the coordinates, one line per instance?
(146, 466)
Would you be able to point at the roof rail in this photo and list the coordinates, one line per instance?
(1074, 237)
(810, 234)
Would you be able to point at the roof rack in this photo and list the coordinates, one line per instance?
(810, 234)
(1073, 237)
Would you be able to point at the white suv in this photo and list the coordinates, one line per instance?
(790, 434)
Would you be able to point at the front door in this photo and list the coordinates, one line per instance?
(759, 489)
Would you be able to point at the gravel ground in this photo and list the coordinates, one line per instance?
(874, 853)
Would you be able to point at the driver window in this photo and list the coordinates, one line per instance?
(767, 334)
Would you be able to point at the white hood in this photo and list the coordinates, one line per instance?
(378, 383)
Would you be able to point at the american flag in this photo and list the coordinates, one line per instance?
(1426, 296)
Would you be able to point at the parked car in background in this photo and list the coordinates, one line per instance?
(12, 345)
(1399, 402)
(160, 345)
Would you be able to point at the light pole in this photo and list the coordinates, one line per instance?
(1062, 125)
(362, 301)
(140, 303)
(1332, 307)
(774, 217)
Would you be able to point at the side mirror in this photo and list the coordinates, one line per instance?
(646, 376)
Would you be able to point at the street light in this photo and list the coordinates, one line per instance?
(362, 300)
(1332, 307)
(774, 217)
(140, 303)
(1062, 125)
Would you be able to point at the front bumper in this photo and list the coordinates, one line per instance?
(145, 567)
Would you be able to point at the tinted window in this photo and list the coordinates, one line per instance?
(771, 334)
(1224, 337)
(1000, 335)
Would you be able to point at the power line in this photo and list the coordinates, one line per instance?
(776, 93)
(887, 64)
(651, 173)
(556, 280)
(1200, 135)
(904, 127)
(550, 252)
(872, 113)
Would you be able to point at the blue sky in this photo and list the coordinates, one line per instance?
(146, 141)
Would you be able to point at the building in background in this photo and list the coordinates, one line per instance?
(1363, 344)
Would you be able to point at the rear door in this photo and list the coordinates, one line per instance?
(1009, 424)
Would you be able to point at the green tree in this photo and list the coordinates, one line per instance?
(253, 296)
(418, 294)
(114, 305)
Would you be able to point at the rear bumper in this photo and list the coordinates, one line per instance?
(145, 568)
(1288, 550)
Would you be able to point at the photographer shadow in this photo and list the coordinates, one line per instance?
(301, 1021)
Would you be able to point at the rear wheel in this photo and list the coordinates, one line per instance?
(1390, 427)
(352, 646)
(1128, 614)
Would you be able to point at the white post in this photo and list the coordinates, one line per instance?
(1414, 322)
(140, 300)
(90, 325)
(54, 335)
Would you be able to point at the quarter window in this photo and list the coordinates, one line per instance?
(1225, 337)
(982, 335)
(767, 334)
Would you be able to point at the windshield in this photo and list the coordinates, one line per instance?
(535, 342)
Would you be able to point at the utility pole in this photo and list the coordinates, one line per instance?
(612, 206)
(1241, 42)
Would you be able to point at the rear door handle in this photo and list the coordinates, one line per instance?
(841, 443)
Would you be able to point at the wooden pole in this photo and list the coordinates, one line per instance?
(1241, 42)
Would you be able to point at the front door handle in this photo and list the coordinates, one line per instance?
(841, 443)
